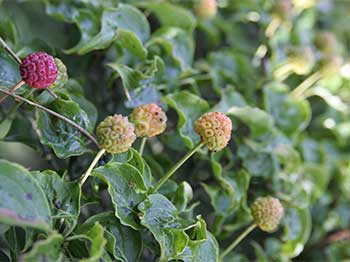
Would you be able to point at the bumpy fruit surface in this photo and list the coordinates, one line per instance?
(267, 213)
(149, 120)
(115, 134)
(214, 129)
(206, 9)
(62, 76)
(38, 70)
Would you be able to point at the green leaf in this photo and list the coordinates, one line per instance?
(297, 229)
(45, 250)
(160, 217)
(126, 188)
(207, 251)
(125, 17)
(95, 234)
(9, 70)
(188, 107)
(171, 15)
(131, 42)
(258, 120)
(63, 196)
(123, 242)
(22, 201)
(290, 115)
(176, 43)
(88, 23)
(63, 138)
(258, 161)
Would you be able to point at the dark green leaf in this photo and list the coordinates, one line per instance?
(63, 138)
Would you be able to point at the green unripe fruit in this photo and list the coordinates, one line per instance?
(206, 9)
(267, 213)
(115, 134)
(326, 42)
(62, 76)
(301, 59)
(214, 128)
(149, 120)
(330, 65)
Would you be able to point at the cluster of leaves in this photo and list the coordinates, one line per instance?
(122, 55)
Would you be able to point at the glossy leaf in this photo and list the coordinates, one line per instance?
(126, 188)
(64, 139)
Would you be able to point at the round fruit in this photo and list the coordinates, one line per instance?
(115, 134)
(267, 213)
(149, 120)
(38, 70)
(214, 129)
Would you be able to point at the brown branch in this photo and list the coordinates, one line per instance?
(336, 237)
(49, 111)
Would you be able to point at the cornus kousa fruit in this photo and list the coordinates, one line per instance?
(206, 8)
(149, 120)
(214, 128)
(38, 70)
(267, 213)
(301, 59)
(62, 76)
(115, 134)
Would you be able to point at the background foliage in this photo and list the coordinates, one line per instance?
(294, 148)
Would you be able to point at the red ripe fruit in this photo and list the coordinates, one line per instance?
(38, 70)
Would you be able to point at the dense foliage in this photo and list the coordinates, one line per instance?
(279, 70)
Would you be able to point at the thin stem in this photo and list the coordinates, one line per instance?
(283, 71)
(176, 166)
(92, 165)
(272, 27)
(9, 50)
(52, 93)
(142, 147)
(306, 84)
(49, 111)
(12, 90)
(237, 241)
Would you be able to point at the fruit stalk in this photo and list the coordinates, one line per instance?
(142, 147)
(91, 166)
(177, 166)
(237, 241)
(306, 84)
(49, 111)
